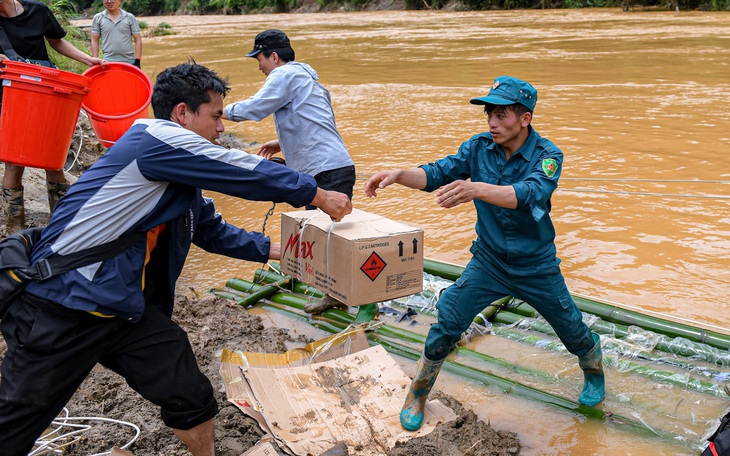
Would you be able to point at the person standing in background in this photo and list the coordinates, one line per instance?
(117, 29)
(26, 23)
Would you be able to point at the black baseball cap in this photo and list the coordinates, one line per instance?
(269, 40)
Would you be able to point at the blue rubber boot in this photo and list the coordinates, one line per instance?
(592, 365)
(411, 417)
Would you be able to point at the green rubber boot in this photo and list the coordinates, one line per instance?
(594, 382)
(411, 416)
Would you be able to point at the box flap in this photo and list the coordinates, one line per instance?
(354, 226)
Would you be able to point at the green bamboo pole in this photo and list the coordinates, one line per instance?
(439, 268)
(365, 312)
(599, 326)
(507, 318)
(612, 313)
(265, 276)
(268, 276)
(265, 292)
(673, 378)
(298, 287)
(687, 349)
(655, 324)
(682, 380)
(272, 275)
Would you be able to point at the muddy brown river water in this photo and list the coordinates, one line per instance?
(637, 101)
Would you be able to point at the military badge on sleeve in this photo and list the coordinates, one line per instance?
(550, 167)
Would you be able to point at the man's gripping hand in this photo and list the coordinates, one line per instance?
(334, 204)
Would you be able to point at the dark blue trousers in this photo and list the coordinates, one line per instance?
(541, 286)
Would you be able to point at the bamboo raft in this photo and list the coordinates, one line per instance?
(668, 354)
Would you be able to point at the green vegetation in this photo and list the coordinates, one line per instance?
(162, 29)
(159, 7)
(63, 10)
(66, 8)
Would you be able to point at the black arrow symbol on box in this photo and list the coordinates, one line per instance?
(415, 245)
(400, 249)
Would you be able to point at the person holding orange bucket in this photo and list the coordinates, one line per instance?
(24, 25)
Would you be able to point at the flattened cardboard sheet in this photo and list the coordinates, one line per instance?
(354, 398)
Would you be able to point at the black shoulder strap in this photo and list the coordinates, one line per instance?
(58, 264)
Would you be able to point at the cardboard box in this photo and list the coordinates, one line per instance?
(362, 259)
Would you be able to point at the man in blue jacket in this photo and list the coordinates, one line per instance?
(509, 173)
(117, 312)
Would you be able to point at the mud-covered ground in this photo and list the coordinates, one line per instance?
(213, 324)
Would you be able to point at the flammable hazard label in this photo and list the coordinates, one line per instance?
(373, 266)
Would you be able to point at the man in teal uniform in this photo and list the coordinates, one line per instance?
(509, 173)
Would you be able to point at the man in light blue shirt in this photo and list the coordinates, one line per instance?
(305, 123)
(303, 114)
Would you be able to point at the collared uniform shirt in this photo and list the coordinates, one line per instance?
(305, 121)
(524, 236)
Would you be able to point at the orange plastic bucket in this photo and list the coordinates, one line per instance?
(120, 94)
(40, 109)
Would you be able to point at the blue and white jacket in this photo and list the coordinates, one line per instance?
(153, 176)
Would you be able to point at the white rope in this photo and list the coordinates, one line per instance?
(55, 440)
(301, 239)
(667, 195)
(327, 253)
(686, 181)
(361, 177)
(327, 258)
(81, 142)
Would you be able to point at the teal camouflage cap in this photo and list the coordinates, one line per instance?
(507, 90)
